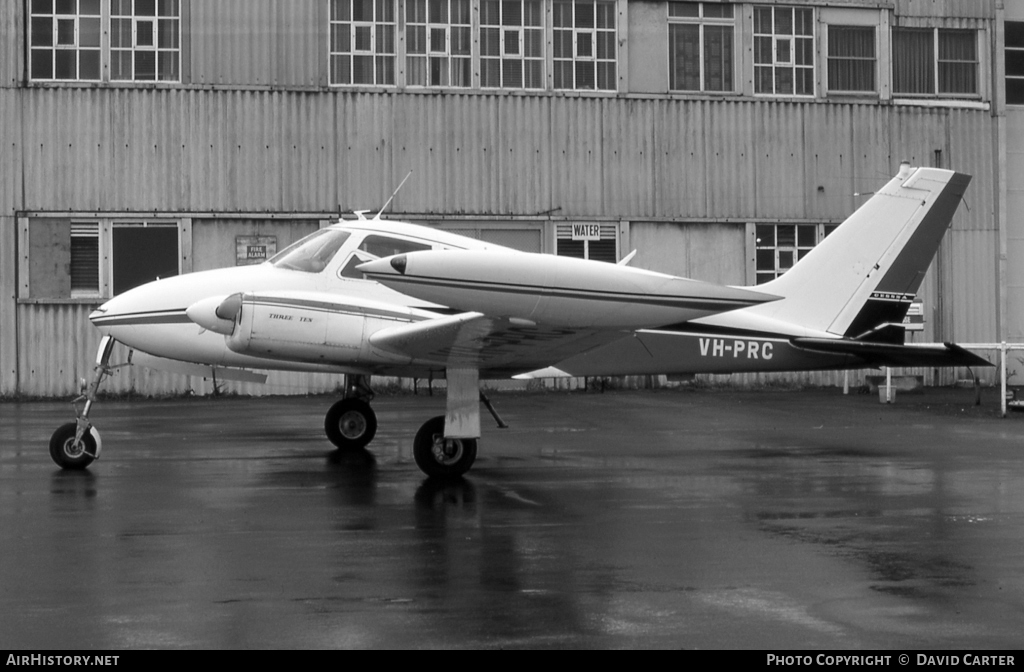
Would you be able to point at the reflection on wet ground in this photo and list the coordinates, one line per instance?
(649, 519)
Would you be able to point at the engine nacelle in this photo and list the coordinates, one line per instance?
(311, 329)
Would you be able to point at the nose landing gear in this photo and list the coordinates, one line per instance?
(76, 444)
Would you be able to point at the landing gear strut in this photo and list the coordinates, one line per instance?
(351, 424)
(76, 444)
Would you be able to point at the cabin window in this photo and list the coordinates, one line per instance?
(437, 43)
(386, 246)
(585, 49)
(362, 42)
(934, 62)
(784, 51)
(65, 41)
(587, 240)
(1015, 62)
(701, 46)
(779, 246)
(851, 59)
(511, 44)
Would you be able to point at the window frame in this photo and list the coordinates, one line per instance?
(102, 230)
(580, 36)
(936, 61)
(829, 59)
(523, 32)
(1016, 49)
(377, 30)
(447, 52)
(761, 275)
(779, 64)
(702, 22)
(55, 47)
(164, 11)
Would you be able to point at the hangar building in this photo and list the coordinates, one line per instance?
(721, 140)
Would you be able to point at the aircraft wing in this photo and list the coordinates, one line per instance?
(887, 354)
(496, 345)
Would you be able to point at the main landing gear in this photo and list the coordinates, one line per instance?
(444, 446)
(351, 424)
(76, 444)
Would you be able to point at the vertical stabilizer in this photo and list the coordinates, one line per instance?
(865, 274)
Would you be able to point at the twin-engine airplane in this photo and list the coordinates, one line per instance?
(370, 297)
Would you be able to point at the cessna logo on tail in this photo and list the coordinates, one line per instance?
(718, 347)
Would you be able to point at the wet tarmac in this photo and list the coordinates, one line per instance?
(667, 519)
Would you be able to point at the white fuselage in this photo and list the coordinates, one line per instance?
(152, 318)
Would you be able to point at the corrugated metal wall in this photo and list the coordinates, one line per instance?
(270, 43)
(253, 151)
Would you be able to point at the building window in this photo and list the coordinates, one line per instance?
(145, 40)
(700, 43)
(585, 45)
(587, 241)
(438, 51)
(98, 258)
(1015, 62)
(851, 59)
(784, 51)
(779, 246)
(65, 40)
(934, 61)
(362, 42)
(511, 44)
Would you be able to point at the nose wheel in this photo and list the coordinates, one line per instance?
(439, 456)
(74, 451)
(76, 444)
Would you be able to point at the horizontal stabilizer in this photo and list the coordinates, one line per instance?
(885, 354)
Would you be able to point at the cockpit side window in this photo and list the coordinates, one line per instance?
(375, 247)
(349, 271)
(312, 253)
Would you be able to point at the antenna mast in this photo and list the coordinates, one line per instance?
(395, 193)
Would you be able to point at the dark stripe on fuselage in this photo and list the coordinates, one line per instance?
(696, 329)
(583, 294)
(332, 308)
(177, 316)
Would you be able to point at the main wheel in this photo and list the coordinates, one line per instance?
(438, 456)
(350, 424)
(69, 454)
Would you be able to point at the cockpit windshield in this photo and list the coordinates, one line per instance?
(312, 253)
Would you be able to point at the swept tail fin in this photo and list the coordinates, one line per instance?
(865, 274)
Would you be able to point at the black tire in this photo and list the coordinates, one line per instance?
(69, 455)
(440, 457)
(350, 424)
